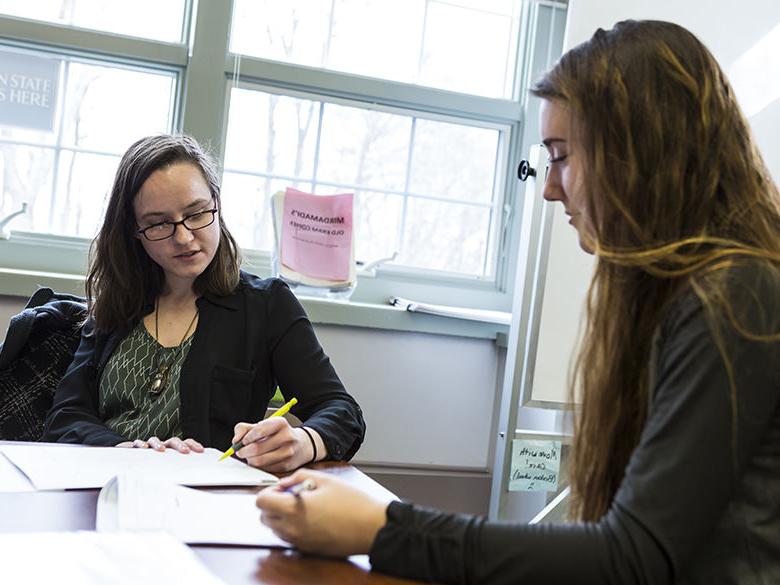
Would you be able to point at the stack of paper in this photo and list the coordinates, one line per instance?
(190, 516)
(78, 467)
(88, 558)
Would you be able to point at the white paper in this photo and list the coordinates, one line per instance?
(137, 503)
(87, 558)
(78, 467)
(12, 479)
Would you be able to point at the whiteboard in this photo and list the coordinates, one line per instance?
(746, 41)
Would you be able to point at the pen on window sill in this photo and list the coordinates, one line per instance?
(280, 412)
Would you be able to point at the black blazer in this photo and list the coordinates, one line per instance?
(245, 344)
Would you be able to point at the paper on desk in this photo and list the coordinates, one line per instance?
(12, 479)
(78, 467)
(86, 558)
(191, 516)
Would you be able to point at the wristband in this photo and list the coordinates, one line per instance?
(313, 444)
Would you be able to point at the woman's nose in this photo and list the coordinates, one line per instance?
(182, 235)
(552, 189)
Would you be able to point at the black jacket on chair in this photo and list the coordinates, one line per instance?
(38, 347)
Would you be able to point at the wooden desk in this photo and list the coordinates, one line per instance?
(75, 510)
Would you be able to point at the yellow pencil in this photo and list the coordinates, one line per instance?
(280, 412)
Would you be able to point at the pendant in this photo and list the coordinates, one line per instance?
(159, 381)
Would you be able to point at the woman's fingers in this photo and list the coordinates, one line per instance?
(296, 478)
(276, 503)
(240, 431)
(333, 518)
(275, 459)
(194, 445)
(265, 429)
(177, 444)
(180, 445)
(275, 446)
(156, 444)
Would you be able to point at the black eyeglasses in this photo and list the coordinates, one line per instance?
(166, 229)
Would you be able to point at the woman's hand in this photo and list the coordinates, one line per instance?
(272, 444)
(182, 446)
(332, 519)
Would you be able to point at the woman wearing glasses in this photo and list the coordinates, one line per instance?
(183, 350)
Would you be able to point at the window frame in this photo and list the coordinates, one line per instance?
(207, 71)
(502, 164)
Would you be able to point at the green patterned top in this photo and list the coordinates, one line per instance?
(126, 405)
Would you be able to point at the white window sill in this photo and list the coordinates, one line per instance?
(22, 283)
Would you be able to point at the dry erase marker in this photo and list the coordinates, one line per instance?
(280, 412)
(305, 486)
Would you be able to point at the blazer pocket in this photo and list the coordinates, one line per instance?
(231, 394)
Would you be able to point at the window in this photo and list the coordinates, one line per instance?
(415, 195)
(430, 181)
(126, 18)
(468, 46)
(416, 106)
(64, 173)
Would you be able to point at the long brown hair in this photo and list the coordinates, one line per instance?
(678, 192)
(122, 278)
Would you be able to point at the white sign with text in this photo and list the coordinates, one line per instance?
(28, 90)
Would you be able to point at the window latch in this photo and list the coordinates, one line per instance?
(369, 269)
(5, 233)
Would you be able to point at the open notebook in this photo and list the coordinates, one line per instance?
(135, 503)
(77, 467)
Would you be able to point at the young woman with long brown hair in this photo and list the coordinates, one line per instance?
(675, 470)
(182, 349)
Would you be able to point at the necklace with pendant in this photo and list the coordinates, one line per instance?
(161, 371)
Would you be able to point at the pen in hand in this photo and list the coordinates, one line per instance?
(305, 486)
(279, 412)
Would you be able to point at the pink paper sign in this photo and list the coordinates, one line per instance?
(317, 234)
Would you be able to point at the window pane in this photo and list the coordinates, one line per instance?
(378, 219)
(445, 236)
(83, 184)
(269, 133)
(246, 206)
(415, 210)
(365, 38)
(440, 170)
(377, 222)
(412, 41)
(139, 104)
(364, 147)
(160, 20)
(64, 173)
(293, 31)
(482, 67)
(26, 177)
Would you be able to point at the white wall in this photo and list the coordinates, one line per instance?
(428, 399)
(729, 29)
